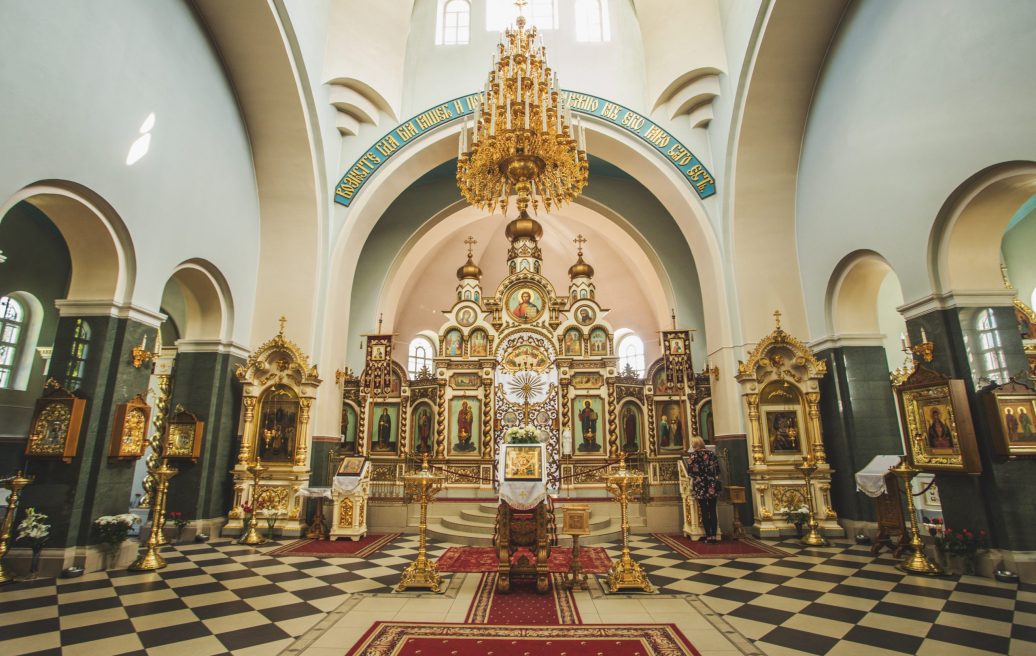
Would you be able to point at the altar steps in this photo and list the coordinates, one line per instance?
(472, 523)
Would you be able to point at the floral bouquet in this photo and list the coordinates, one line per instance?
(114, 529)
(523, 435)
(246, 518)
(178, 521)
(797, 516)
(35, 530)
(961, 543)
(270, 515)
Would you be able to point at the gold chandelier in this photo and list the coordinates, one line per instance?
(523, 139)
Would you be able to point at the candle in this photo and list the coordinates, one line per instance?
(902, 341)
(508, 113)
(924, 337)
(526, 112)
(518, 84)
(492, 121)
(143, 342)
(543, 113)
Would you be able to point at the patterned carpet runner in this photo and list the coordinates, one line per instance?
(522, 604)
(431, 639)
(336, 548)
(594, 560)
(743, 548)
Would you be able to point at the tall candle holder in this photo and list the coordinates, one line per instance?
(813, 538)
(14, 484)
(626, 573)
(422, 573)
(252, 536)
(917, 562)
(151, 560)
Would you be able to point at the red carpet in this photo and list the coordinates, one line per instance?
(433, 639)
(743, 548)
(595, 560)
(335, 548)
(522, 605)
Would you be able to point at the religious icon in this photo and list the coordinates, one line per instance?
(510, 419)
(706, 423)
(783, 431)
(629, 425)
(573, 343)
(588, 412)
(585, 316)
(465, 433)
(479, 343)
(1026, 325)
(129, 430)
(55, 424)
(378, 352)
(466, 380)
(937, 420)
(466, 316)
(1015, 404)
(676, 346)
(183, 435)
(523, 462)
(348, 427)
(422, 430)
(277, 426)
(384, 428)
(452, 343)
(587, 381)
(351, 466)
(598, 342)
(525, 304)
(937, 431)
(670, 428)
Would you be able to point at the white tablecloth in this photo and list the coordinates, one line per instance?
(871, 479)
(522, 495)
(314, 492)
(346, 484)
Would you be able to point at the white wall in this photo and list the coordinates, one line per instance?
(914, 98)
(79, 79)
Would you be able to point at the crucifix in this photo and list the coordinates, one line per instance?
(282, 321)
(470, 241)
(379, 323)
(579, 241)
(777, 318)
(672, 315)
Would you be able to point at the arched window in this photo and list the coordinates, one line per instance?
(631, 354)
(421, 356)
(501, 14)
(592, 21)
(76, 368)
(12, 321)
(990, 349)
(454, 23)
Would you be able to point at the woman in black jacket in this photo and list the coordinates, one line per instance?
(703, 468)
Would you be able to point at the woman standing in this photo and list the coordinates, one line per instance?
(703, 468)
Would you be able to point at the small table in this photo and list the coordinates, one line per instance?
(318, 530)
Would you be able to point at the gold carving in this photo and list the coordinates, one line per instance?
(345, 513)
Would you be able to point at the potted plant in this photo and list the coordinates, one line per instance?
(246, 518)
(114, 529)
(271, 516)
(35, 530)
(523, 435)
(180, 523)
(797, 517)
(961, 547)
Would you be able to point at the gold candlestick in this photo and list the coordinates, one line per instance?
(252, 537)
(14, 484)
(422, 573)
(626, 573)
(576, 577)
(917, 562)
(151, 560)
(813, 538)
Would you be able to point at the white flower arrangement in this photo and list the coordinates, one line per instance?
(34, 528)
(798, 515)
(114, 529)
(522, 435)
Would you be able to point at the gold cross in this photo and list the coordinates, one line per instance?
(379, 323)
(470, 241)
(579, 241)
(777, 318)
(672, 315)
(282, 321)
(520, 4)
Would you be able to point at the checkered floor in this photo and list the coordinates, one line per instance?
(222, 598)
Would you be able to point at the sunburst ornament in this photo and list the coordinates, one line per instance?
(526, 385)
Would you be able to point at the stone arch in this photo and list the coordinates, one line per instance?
(104, 266)
(26, 352)
(209, 305)
(965, 241)
(852, 294)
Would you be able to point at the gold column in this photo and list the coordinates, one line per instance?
(15, 485)
(151, 560)
(613, 419)
(813, 401)
(243, 454)
(754, 429)
(487, 418)
(155, 447)
(404, 409)
(301, 448)
(813, 538)
(626, 573)
(440, 422)
(422, 573)
(917, 562)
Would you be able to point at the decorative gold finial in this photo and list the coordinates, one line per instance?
(520, 4)
(470, 241)
(379, 322)
(283, 320)
(579, 241)
(672, 316)
(777, 318)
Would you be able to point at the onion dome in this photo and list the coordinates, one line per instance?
(580, 269)
(523, 226)
(469, 270)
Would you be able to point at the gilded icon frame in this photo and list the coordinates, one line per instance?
(183, 435)
(1012, 400)
(62, 412)
(130, 429)
(933, 448)
(351, 466)
(523, 462)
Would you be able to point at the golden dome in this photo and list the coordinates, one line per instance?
(469, 270)
(580, 269)
(523, 226)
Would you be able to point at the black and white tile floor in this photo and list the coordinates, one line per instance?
(221, 597)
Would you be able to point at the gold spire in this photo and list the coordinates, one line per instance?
(580, 269)
(469, 269)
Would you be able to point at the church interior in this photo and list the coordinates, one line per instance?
(340, 327)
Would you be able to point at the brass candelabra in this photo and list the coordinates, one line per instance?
(14, 484)
(626, 573)
(252, 536)
(813, 538)
(150, 559)
(422, 573)
(917, 562)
